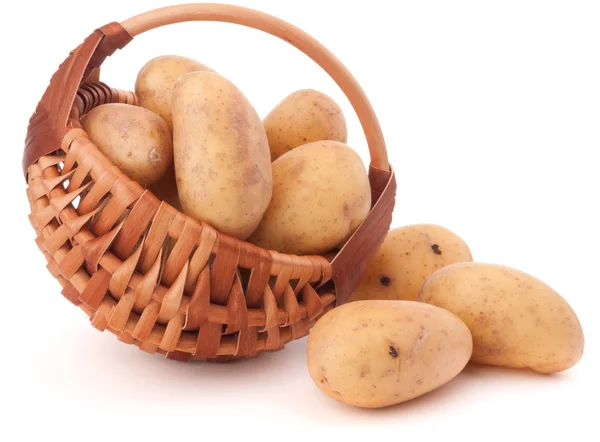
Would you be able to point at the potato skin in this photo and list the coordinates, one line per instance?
(303, 117)
(406, 258)
(222, 161)
(136, 140)
(157, 79)
(378, 353)
(516, 320)
(321, 194)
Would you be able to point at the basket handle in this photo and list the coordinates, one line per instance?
(284, 30)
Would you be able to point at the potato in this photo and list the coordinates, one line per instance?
(321, 194)
(406, 258)
(377, 353)
(133, 138)
(303, 117)
(222, 160)
(516, 320)
(157, 78)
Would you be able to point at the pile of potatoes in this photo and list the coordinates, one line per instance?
(287, 183)
(424, 309)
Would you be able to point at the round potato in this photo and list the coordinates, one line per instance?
(377, 353)
(303, 117)
(222, 160)
(516, 320)
(406, 258)
(321, 194)
(157, 79)
(133, 138)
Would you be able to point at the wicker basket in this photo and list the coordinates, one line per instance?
(151, 275)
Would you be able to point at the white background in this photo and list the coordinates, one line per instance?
(491, 112)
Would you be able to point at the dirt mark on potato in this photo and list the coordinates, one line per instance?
(417, 345)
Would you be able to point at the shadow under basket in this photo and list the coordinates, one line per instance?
(150, 274)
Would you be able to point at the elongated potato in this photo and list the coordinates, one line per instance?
(516, 320)
(222, 160)
(377, 353)
(133, 138)
(321, 194)
(406, 258)
(157, 78)
(303, 117)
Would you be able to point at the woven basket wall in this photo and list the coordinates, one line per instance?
(148, 273)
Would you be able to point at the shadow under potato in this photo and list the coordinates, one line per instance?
(96, 361)
(467, 386)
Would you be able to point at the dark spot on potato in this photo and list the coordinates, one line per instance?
(252, 176)
(436, 249)
(296, 170)
(385, 281)
(154, 157)
(393, 352)
(491, 349)
(346, 212)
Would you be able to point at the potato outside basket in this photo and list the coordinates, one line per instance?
(151, 275)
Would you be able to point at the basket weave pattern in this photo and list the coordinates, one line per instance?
(146, 272)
